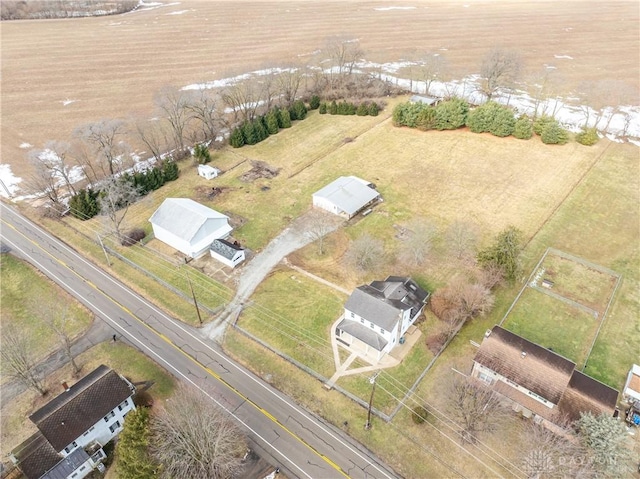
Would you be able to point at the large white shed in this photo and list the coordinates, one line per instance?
(188, 226)
(345, 196)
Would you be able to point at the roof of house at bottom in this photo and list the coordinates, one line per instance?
(184, 217)
(67, 416)
(36, 455)
(527, 364)
(349, 193)
(382, 301)
(224, 248)
(585, 394)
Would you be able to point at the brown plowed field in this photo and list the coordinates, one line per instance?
(111, 66)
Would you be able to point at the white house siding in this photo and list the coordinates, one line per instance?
(389, 336)
(84, 470)
(231, 263)
(100, 430)
(327, 205)
(172, 240)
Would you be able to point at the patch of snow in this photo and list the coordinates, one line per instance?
(9, 181)
(635, 142)
(25, 145)
(613, 138)
(568, 29)
(466, 6)
(224, 82)
(386, 9)
(179, 12)
(67, 102)
(566, 57)
(315, 52)
(550, 67)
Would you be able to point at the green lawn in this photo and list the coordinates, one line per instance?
(551, 323)
(25, 297)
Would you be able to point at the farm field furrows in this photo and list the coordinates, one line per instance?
(59, 74)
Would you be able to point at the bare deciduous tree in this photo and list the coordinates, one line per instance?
(432, 68)
(43, 181)
(476, 408)
(116, 196)
(343, 53)
(172, 104)
(461, 237)
(153, 134)
(18, 361)
(103, 137)
(243, 99)
(57, 317)
(320, 225)
(192, 437)
(415, 249)
(366, 253)
(461, 301)
(288, 83)
(499, 69)
(205, 108)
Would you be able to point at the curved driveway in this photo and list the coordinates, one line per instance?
(300, 443)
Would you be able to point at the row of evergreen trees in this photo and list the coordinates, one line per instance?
(252, 132)
(85, 204)
(491, 117)
(347, 108)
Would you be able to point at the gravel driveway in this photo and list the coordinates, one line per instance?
(294, 237)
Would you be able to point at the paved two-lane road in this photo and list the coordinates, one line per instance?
(300, 443)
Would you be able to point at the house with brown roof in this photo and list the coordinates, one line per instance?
(377, 315)
(537, 381)
(74, 426)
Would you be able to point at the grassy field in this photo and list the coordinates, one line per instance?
(125, 360)
(549, 322)
(60, 74)
(24, 291)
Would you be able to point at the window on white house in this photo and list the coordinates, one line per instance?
(109, 416)
(382, 330)
(114, 426)
(372, 326)
(352, 314)
(362, 320)
(485, 377)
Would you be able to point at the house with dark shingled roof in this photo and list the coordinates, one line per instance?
(377, 315)
(538, 382)
(74, 426)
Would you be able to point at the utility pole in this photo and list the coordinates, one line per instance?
(103, 249)
(372, 380)
(195, 302)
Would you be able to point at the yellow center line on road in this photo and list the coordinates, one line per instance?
(194, 360)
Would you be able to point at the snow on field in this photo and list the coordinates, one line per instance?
(566, 57)
(386, 9)
(9, 181)
(179, 12)
(67, 102)
(26, 145)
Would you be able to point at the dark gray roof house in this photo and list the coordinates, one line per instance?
(377, 315)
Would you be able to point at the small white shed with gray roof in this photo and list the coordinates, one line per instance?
(227, 253)
(188, 226)
(346, 196)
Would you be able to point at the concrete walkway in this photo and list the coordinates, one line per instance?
(316, 278)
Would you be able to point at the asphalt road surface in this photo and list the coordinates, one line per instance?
(298, 442)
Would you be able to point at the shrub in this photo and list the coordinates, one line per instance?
(284, 119)
(541, 122)
(272, 122)
(298, 110)
(260, 129)
(426, 119)
(523, 128)
(84, 204)
(588, 137)
(479, 119)
(170, 170)
(249, 133)
(323, 108)
(503, 122)
(451, 114)
(362, 110)
(374, 109)
(419, 414)
(201, 154)
(314, 102)
(554, 134)
(132, 237)
(333, 108)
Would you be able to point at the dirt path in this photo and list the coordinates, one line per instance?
(294, 237)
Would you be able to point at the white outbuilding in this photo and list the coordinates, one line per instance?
(208, 172)
(346, 196)
(188, 226)
(228, 253)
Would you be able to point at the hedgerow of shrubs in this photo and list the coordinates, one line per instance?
(588, 137)
(447, 115)
(550, 131)
(348, 108)
(85, 203)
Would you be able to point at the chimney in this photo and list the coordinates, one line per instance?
(65, 386)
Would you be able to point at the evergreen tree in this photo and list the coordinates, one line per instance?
(84, 205)
(300, 110)
(606, 439)
(314, 102)
(554, 134)
(249, 133)
(480, 119)
(503, 122)
(154, 179)
(285, 118)
(170, 170)
(201, 154)
(342, 108)
(351, 108)
(541, 122)
(588, 137)
(236, 139)
(261, 131)
(504, 253)
(451, 114)
(523, 128)
(374, 109)
(362, 109)
(134, 461)
(323, 108)
(272, 122)
(426, 119)
(333, 108)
